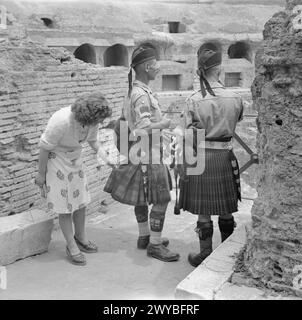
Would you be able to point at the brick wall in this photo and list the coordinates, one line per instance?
(35, 82)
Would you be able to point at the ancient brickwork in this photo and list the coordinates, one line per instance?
(274, 249)
(35, 82)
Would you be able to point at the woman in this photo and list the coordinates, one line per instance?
(61, 176)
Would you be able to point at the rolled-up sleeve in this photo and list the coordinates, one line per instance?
(142, 112)
(53, 133)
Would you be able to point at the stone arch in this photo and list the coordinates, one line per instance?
(152, 46)
(86, 53)
(116, 55)
(47, 22)
(240, 50)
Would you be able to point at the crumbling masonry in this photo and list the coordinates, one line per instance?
(274, 249)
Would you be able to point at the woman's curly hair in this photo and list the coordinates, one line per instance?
(91, 108)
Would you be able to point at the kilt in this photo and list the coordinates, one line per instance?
(125, 184)
(215, 191)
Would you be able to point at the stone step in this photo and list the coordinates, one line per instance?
(23, 235)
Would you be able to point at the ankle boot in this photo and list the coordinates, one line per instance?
(205, 234)
(159, 251)
(226, 227)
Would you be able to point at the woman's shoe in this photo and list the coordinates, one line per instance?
(88, 248)
(77, 259)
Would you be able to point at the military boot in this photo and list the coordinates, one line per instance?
(204, 231)
(159, 251)
(226, 227)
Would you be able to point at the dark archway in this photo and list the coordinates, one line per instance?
(116, 55)
(48, 22)
(152, 46)
(86, 53)
(240, 50)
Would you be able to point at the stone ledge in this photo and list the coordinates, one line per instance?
(230, 291)
(210, 280)
(23, 235)
(214, 272)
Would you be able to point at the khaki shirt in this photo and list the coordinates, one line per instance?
(142, 108)
(140, 111)
(218, 115)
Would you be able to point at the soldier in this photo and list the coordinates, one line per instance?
(141, 184)
(217, 190)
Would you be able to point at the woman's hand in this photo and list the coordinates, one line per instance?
(166, 122)
(111, 161)
(40, 181)
(103, 158)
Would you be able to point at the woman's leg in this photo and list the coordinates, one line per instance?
(79, 217)
(83, 243)
(65, 222)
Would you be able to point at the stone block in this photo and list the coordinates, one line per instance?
(201, 284)
(233, 292)
(23, 235)
(216, 270)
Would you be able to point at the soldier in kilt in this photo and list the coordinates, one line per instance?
(141, 184)
(217, 190)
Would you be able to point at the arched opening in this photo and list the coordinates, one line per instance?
(86, 53)
(116, 55)
(47, 22)
(150, 45)
(240, 50)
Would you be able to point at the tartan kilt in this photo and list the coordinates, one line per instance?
(214, 192)
(125, 184)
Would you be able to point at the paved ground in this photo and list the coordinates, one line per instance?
(118, 270)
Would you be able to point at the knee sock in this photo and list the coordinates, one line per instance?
(205, 233)
(141, 214)
(226, 226)
(157, 219)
